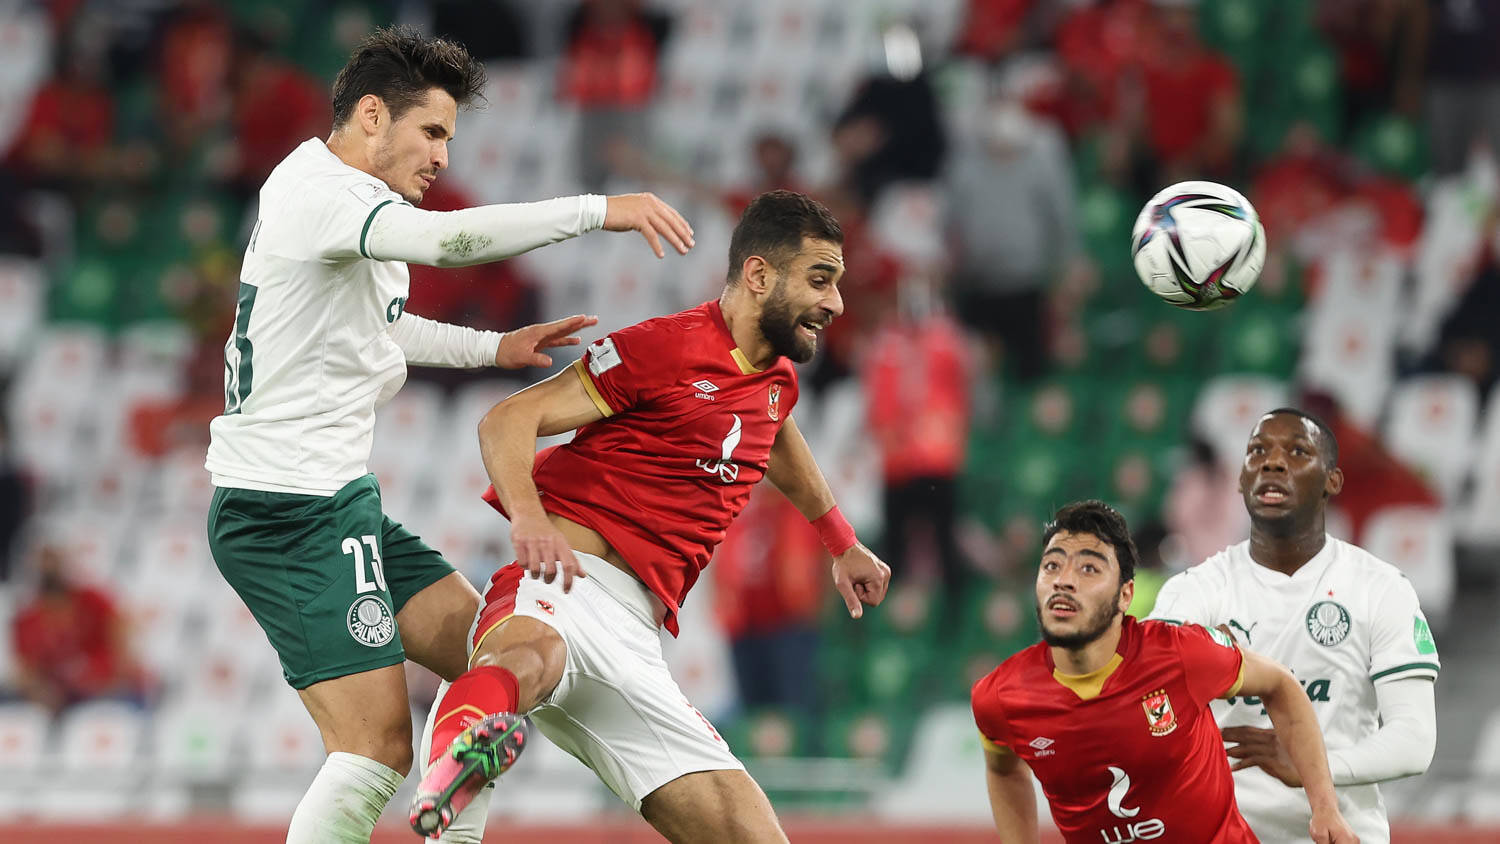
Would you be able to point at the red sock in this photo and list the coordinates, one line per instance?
(476, 693)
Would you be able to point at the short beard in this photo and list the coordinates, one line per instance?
(779, 326)
(1098, 624)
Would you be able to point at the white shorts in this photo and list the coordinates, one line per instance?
(616, 708)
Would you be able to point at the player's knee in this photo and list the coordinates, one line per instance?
(396, 752)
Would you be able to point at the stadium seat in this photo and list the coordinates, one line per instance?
(1453, 241)
(186, 488)
(22, 297)
(1477, 523)
(1227, 408)
(191, 745)
(99, 748)
(283, 755)
(1430, 415)
(1419, 542)
(1349, 350)
(173, 552)
(23, 743)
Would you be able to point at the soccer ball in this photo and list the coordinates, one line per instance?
(1198, 245)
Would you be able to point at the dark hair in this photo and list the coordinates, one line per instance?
(1328, 444)
(774, 225)
(399, 65)
(1102, 521)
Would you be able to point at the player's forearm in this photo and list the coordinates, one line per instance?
(427, 342)
(478, 235)
(1013, 805)
(507, 445)
(1405, 742)
(793, 470)
(1298, 731)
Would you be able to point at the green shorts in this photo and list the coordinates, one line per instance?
(325, 577)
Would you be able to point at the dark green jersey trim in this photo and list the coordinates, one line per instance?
(1410, 666)
(365, 232)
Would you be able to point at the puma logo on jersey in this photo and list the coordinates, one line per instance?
(1243, 629)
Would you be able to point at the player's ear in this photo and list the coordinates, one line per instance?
(1127, 594)
(371, 113)
(755, 274)
(1335, 483)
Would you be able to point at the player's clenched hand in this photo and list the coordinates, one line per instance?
(653, 218)
(1329, 827)
(522, 348)
(543, 551)
(861, 578)
(1257, 747)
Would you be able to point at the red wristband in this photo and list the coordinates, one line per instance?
(835, 531)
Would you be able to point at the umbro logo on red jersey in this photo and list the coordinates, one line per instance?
(706, 389)
(1042, 745)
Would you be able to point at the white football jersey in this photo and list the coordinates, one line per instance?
(1342, 623)
(310, 356)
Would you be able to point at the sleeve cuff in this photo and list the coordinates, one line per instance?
(593, 391)
(595, 206)
(993, 746)
(1239, 679)
(1410, 669)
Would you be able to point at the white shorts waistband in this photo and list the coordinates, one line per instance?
(624, 588)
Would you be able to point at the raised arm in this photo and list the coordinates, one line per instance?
(1297, 731)
(1012, 798)
(859, 576)
(507, 444)
(395, 231)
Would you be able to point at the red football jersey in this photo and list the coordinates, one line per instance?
(1130, 752)
(688, 429)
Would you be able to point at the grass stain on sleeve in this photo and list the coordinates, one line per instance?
(464, 244)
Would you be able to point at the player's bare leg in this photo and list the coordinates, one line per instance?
(366, 729)
(713, 807)
(515, 668)
(434, 626)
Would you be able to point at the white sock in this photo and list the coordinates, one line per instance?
(468, 826)
(344, 801)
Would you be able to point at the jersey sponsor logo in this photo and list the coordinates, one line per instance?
(395, 309)
(1328, 623)
(1318, 691)
(1042, 745)
(603, 356)
(1132, 830)
(370, 621)
(1422, 635)
(1160, 718)
(725, 467)
(546, 607)
(774, 411)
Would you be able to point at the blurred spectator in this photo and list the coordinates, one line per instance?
(276, 107)
(1381, 45)
(1151, 570)
(917, 375)
(15, 503)
(775, 156)
(1469, 342)
(70, 642)
(65, 141)
(993, 28)
(1191, 111)
(769, 574)
(1013, 218)
(1203, 509)
(193, 69)
(1463, 80)
(891, 130)
(609, 70)
(1374, 479)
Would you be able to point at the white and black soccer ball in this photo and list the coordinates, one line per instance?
(1198, 245)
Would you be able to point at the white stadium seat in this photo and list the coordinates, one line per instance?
(1350, 352)
(99, 750)
(1477, 524)
(1419, 542)
(1228, 407)
(1431, 425)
